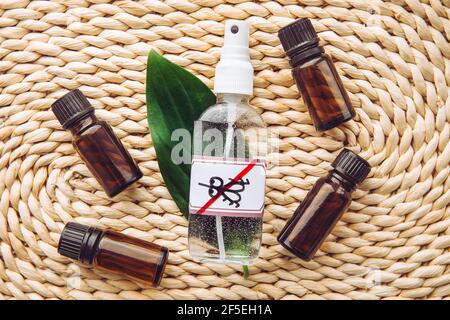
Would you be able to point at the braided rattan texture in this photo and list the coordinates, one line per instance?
(394, 59)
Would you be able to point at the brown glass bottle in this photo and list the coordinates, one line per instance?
(96, 143)
(323, 206)
(316, 76)
(114, 252)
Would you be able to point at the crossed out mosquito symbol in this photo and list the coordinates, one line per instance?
(231, 191)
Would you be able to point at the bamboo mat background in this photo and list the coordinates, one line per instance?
(394, 60)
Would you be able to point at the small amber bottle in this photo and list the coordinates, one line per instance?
(316, 76)
(96, 143)
(323, 206)
(114, 252)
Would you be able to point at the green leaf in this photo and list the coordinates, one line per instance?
(175, 99)
(245, 270)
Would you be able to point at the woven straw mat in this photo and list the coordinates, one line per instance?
(394, 61)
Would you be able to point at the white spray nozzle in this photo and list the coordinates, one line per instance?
(234, 72)
(236, 37)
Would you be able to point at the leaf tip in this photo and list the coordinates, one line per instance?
(153, 54)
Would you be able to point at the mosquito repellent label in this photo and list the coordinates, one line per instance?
(227, 187)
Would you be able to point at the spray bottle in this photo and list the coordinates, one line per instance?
(228, 169)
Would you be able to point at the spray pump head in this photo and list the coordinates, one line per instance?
(234, 72)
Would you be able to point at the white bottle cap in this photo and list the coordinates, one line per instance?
(234, 72)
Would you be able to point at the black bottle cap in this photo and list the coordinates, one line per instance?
(71, 107)
(299, 39)
(79, 242)
(352, 166)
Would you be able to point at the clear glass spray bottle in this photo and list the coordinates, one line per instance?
(228, 170)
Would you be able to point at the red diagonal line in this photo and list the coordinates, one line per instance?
(235, 180)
